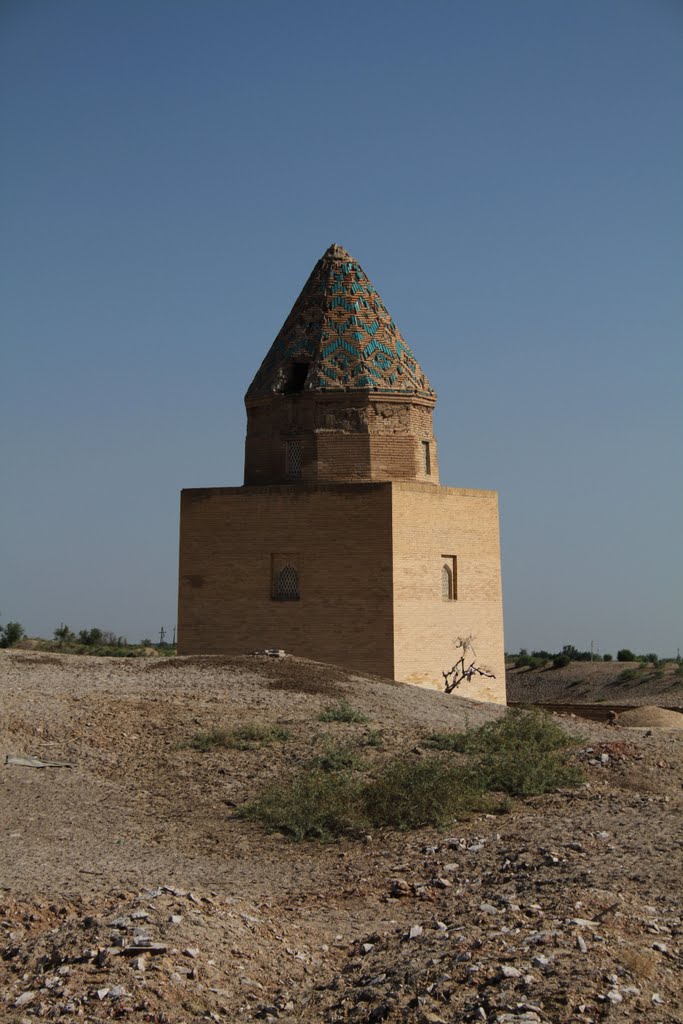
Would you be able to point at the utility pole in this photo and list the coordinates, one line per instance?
(162, 634)
(591, 650)
(174, 636)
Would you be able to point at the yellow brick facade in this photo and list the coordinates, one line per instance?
(430, 526)
(369, 560)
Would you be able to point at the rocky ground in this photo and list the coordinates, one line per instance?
(131, 890)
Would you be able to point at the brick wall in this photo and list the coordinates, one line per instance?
(427, 524)
(340, 538)
(369, 559)
(350, 436)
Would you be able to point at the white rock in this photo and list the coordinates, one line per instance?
(614, 997)
(415, 932)
(581, 944)
(102, 993)
(488, 908)
(510, 972)
(25, 998)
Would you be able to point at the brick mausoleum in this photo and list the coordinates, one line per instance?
(341, 546)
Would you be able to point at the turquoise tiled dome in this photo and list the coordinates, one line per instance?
(339, 337)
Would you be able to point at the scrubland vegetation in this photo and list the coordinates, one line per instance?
(338, 793)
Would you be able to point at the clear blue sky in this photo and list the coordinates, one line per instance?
(508, 174)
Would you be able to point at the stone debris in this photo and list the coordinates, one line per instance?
(34, 762)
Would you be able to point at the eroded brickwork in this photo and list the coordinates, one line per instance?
(348, 436)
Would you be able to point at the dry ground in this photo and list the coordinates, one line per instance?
(567, 909)
(591, 682)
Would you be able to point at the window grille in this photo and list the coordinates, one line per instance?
(426, 458)
(287, 588)
(294, 459)
(446, 583)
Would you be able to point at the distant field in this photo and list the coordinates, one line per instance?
(595, 682)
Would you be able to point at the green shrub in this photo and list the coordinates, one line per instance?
(561, 661)
(522, 661)
(245, 737)
(625, 655)
(320, 804)
(315, 804)
(524, 753)
(342, 711)
(411, 794)
(607, 657)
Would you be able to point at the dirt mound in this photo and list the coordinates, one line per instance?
(133, 889)
(651, 717)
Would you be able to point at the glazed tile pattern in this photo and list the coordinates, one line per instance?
(341, 328)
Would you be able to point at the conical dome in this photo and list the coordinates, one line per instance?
(339, 336)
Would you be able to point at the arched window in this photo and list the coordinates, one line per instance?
(446, 583)
(287, 586)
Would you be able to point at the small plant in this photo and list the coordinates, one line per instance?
(342, 711)
(337, 757)
(245, 737)
(373, 738)
(625, 655)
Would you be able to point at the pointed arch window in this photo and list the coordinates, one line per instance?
(449, 578)
(446, 583)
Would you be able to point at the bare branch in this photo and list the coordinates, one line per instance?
(461, 671)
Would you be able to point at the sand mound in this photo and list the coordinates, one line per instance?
(650, 717)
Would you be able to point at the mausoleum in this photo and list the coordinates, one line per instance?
(341, 546)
